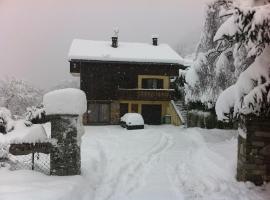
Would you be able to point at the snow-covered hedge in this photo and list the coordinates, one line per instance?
(3, 152)
(35, 114)
(6, 122)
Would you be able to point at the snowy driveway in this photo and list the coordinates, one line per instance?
(157, 163)
(163, 162)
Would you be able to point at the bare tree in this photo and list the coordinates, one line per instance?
(16, 95)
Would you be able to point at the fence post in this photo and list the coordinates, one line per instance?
(33, 160)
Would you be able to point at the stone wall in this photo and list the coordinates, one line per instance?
(65, 158)
(207, 119)
(254, 150)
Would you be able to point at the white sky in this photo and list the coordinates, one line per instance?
(35, 35)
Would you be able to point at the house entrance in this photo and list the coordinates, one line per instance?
(123, 109)
(151, 114)
(98, 114)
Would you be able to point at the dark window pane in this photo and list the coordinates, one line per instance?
(150, 83)
(160, 84)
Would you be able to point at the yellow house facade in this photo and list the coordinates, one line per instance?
(168, 110)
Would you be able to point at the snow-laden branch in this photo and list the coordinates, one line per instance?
(249, 27)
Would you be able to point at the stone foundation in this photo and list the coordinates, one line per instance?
(65, 158)
(254, 150)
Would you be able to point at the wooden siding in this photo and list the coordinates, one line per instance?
(145, 94)
(101, 80)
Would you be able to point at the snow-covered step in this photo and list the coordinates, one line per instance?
(182, 108)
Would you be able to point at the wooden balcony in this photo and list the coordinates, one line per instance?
(146, 94)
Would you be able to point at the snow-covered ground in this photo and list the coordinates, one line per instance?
(159, 163)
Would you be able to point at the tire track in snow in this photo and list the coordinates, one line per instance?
(190, 178)
(201, 175)
(130, 175)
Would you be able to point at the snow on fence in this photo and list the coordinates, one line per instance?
(34, 161)
(26, 147)
(31, 156)
(26, 156)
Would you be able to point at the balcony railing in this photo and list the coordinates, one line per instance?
(146, 94)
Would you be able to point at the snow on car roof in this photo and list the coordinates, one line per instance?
(133, 119)
(129, 52)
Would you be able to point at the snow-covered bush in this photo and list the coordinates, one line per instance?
(17, 95)
(6, 122)
(35, 114)
(3, 152)
(248, 27)
(179, 84)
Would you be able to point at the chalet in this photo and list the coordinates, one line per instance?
(120, 77)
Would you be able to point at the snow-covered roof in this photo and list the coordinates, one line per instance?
(128, 52)
(23, 134)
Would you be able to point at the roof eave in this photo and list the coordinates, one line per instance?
(129, 62)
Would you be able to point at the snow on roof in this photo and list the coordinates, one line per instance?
(22, 134)
(129, 52)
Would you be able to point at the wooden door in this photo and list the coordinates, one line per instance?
(104, 113)
(93, 112)
(98, 114)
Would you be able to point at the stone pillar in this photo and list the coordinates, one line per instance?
(254, 150)
(64, 109)
(65, 157)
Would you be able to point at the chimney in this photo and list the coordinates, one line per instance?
(115, 38)
(114, 42)
(155, 40)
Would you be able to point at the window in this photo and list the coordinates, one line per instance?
(151, 83)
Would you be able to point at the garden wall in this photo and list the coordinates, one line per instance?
(254, 150)
(206, 119)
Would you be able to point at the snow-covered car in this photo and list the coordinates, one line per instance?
(132, 121)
